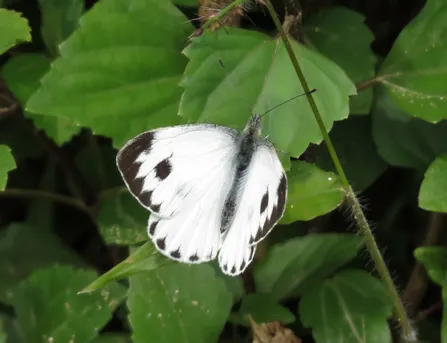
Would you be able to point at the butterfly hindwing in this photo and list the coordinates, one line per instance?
(261, 202)
(165, 168)
(192, 235)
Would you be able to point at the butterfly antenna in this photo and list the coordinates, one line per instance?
(285, 102)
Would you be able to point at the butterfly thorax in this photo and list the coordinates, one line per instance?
(247, 142)
(254, 126)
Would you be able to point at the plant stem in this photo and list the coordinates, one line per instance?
(367, 84)
(222, 13)
(407, 331)
(36, 194)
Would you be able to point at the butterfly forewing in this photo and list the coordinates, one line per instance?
(164, 168)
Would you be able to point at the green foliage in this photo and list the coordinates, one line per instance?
(22, 75)
(413, 72)
(341, 310)
(434, 260)
(59, 20)
(298, 265)
(259, 67)
(262, 308)
(353, 140)
(14, 29)
(166, 305)
(312, 192)
(6, 164)
(342, 35)
(142, 259)
(433, 193)
(191, 3)
(3, 336)
(135, 84)
(121, 220)
(49, 308)
(402, 140)
(112, 338)
(24, 250)
(98, 73)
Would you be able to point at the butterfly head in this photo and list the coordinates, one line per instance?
(254, 126)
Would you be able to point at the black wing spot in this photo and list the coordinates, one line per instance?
(194, 258)
(127, 156)
(265, 201)
(156, 208)
(163, 169)
(145, 198)
(276, 213)
(242, 267)
(224, 267)
(152, 227)
(258, 234)
(161, 243)
(175, 254)
(252, 253)
(282, 189)
(233, 270)
(131, 171)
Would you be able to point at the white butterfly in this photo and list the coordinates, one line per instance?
(211, 190)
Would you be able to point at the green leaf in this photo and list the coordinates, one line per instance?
(434, 260)
(22, 74)
(7, 164)
(298, 265)
(312, 192)
(414, 71)
(49, 308)
(24, 249)
(11, 329)
(263, 309)
(112, 338)
(433, 192)
(121, 219)
(258, 75)
(14, 29)
(145, 258)
(352, 307)
(137, 70)
(405, 141)
(352, 139)
(342, 35)
(59, 20)
(3, 336)
(179, 303)
(234, 284)
(188, 3)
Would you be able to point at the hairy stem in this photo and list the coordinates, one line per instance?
(218, 17)
(407, 331)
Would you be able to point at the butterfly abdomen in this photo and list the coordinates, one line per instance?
(246, 148)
